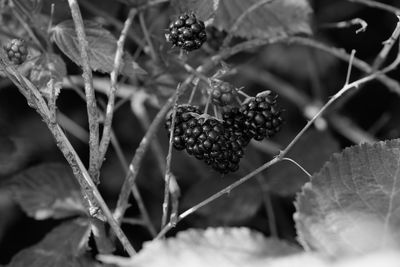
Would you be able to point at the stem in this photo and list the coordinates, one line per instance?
(89, 91)
(105, 140)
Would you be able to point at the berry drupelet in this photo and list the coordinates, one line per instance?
(16, 51)
(223, 94)
(187, 32)
(262, 116)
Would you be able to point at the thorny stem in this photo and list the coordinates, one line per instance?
(88, 187)
(89, 91)
(168, 173)
(105, 140)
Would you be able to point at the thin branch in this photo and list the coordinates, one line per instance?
(89, 91)
(168, 173)
(353, 52)
(298, 165)
(105, 140)
(146, 34)
(348, 23)
(378, 5)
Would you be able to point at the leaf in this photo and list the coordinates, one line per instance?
(64, 246)
(102, 46)
(210, 247)
(240, 204)
(352, 205)
(46, 68)
(263, 19)
(14, 154)
(311, 152)
(48, 191)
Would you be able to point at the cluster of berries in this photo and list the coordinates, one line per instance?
(221, 144)
(187, 32)
(16, 51)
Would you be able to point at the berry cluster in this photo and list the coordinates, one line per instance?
(187, 32)
(221, 144)
(16, 51)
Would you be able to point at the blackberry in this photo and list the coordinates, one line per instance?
(217, 144)
(187, 32)
(16, 51)
(262, 116)
(183, 115)
(223, 93)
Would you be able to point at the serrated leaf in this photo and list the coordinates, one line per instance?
(46, 68)
(263, 19)
(311, 152)
(102, 46)
(64, 246)
(352, 205)
(48, 191)
(210, 247)
(240, 204)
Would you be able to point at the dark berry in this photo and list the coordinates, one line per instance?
(223, 93)
(16, 51)
(187, 32)
(262, 116)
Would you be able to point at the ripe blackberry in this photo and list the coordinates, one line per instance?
(183, 115)
(235, 122)
(223, 93)
(187, 32)
(262, 116)
(16, 51)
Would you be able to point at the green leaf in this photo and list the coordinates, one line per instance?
(352, 205)
(48, 191)
(46, 68)
(102, 46)
(311, 152)
(240, 204)
(64, 246)
(211, 247)
(263, 19)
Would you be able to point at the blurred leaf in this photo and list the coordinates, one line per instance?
(240, 204)
(269, 20)
(14, 154)
(48, 66)
(211, 247)
(48, 191)
(311, 152)
(352, 205)
(64, 246)
(102, 46)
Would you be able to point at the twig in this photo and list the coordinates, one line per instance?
(240, 19)
(269, 208)
(378, 5)
(348, 23)
(87, 185)
(89, 91)
(298, 165)
(105, 140)
(353, 52)
(168, 173)
(147, 37)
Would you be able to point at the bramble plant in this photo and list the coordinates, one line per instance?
(239, 116)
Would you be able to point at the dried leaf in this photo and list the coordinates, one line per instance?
(48, 191)
(102, 46)
(352, 205)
